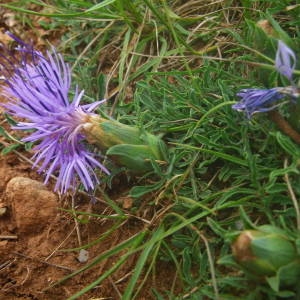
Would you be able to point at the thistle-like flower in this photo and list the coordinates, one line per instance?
(262, 100)
(37, 89)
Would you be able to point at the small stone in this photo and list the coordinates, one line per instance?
(32, 204)
(3, 211)
(83, 256)
(127, 203)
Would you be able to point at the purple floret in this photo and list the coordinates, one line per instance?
(257, 100)
(262, 100)
(38, 91)
(285, 61)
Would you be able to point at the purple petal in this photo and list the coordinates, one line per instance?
(285, 61)
(257, 100)
(38, 91)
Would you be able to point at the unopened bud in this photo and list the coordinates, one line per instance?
(129, 146)
(263, 253)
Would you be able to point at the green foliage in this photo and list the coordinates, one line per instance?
(173, 68)
(10, 142)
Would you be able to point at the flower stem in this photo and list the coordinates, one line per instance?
(284, 126)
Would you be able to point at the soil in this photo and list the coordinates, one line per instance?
(34, 230)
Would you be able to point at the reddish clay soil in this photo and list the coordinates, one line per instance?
(33, 231)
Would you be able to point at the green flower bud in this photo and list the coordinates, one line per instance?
(263, 252)
(128, 146)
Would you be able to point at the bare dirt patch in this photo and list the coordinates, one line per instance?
(34, 230)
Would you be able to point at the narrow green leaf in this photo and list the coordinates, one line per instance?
(141, 263)
(9, 148)
(139, 191)
(134, 243)
(217, 154)
(133, 240)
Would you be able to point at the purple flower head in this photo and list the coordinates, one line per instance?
(262, 100)
(38, 91)
(257, 100)
(285, 61)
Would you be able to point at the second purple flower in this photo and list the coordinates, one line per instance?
(262, 100)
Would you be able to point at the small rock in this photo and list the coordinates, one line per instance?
(83, 256)
(3, 209)
(127, 202)
(34, 207)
